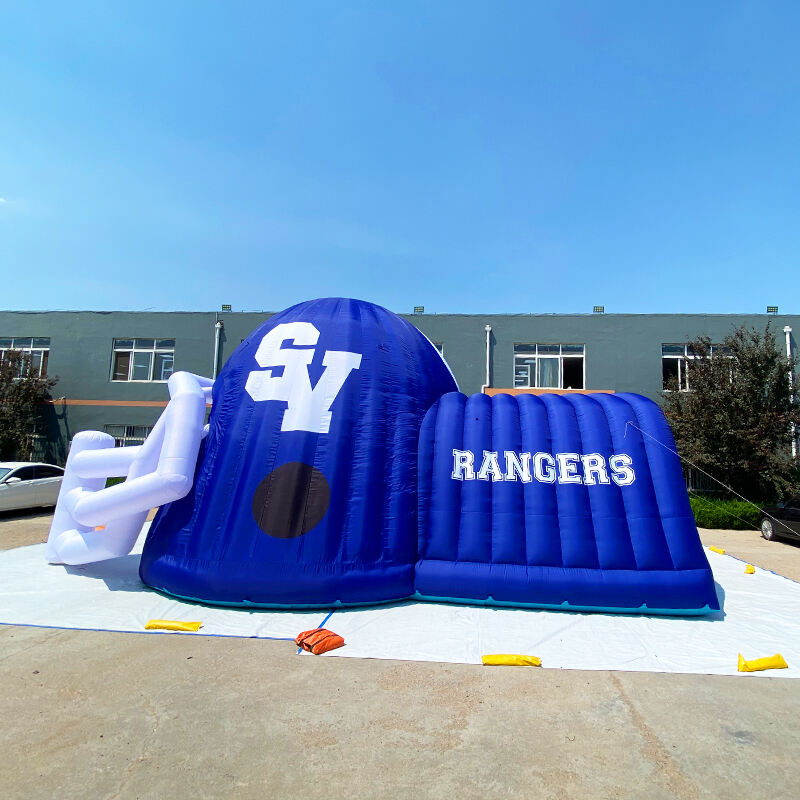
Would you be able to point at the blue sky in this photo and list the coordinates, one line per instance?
(468, 157)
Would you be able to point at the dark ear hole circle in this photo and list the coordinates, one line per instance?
(291, 500)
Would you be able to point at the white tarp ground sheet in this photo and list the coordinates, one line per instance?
(761, 617)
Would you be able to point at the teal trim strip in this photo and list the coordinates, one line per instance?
(279, 606)
(565, 606)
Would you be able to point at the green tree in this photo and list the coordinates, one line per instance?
(21, 397)
(735, 420)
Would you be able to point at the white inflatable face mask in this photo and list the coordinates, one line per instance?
(159, 471)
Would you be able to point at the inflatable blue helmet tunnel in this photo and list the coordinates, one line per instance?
(343, 467)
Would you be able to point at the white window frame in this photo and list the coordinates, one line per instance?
(683, 359)
(128, 435)
(533, 352)
(29, 349)
(133, 350)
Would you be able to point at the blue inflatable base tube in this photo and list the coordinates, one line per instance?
(684, 591)
(302, 586)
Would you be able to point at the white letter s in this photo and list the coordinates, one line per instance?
(308, 409)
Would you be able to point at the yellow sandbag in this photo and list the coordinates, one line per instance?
(758, 664)
(749, 569)
(716, 549)
(510, 660)
(172, 625)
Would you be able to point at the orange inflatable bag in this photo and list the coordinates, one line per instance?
(319, 641)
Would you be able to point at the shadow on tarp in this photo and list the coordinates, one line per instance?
(119, 574)
(122, 575)
(717, 616)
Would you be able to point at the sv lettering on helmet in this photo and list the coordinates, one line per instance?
(309, 408)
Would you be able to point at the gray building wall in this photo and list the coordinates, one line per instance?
(622, 351)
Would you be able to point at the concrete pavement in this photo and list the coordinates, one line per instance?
(21, 528)
(108, 715)
(139, 716)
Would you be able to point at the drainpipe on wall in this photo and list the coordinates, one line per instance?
(788, 333)
(488, 383)
(217, 333)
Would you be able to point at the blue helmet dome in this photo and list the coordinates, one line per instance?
(305, 488)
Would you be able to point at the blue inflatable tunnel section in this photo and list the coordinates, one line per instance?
(305, 488)
(566, 501)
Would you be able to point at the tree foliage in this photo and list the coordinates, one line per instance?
(21, 398)
(735, 420)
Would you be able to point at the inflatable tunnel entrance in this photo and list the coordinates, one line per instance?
(566, 501)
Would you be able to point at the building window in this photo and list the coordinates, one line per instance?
(126, 435)
(142, 359)
(676, 360)
(36, 348)
(549, 366)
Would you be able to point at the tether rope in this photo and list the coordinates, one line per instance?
(708, 475)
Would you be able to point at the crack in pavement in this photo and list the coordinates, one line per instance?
(143, 755)
(678, 785)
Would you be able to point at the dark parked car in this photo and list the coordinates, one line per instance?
(786, 522)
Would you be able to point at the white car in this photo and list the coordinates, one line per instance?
(27, 485)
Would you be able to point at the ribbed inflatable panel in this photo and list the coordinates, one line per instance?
(305, 489)
(567, 501)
